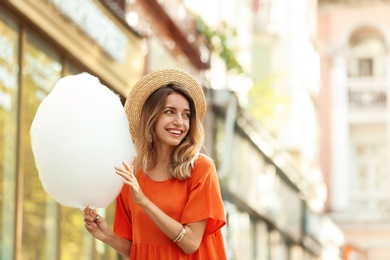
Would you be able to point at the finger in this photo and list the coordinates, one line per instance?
(90, 224)
(91, 215)
(97, 218)
(94, 216)
(122, 174)
(127, 166)
(87, 210)
(90, 228)
(88, 219)
(119, 169)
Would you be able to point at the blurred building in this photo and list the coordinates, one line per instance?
(274, 201)
(40, 42)
(353, 39)
(273, 207)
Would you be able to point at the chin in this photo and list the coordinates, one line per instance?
(172, 143)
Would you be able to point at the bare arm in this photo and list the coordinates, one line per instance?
(100, 229)
(169, 226)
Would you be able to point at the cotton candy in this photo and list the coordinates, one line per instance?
(79, 134)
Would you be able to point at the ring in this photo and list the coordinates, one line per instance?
(97, 217)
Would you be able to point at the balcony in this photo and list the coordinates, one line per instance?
(365, 207)
(370, 206)
(367, 100)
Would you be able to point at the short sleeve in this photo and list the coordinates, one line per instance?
(205, 200)
(122, 220)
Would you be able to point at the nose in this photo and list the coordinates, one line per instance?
(178, 120)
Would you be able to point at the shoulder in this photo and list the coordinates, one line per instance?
(204, 161)
(203, 167)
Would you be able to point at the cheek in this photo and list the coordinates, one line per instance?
(157, 127)
(159, 123)
(187, 125)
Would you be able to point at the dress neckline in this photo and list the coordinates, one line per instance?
(153, 180)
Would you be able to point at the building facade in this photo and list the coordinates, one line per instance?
(42, 41)
(270, 177)
(266, 197)
(353, 39)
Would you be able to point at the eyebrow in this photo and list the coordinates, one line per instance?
(175, 108)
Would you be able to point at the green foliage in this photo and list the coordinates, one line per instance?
(264, 101)
(220, 41)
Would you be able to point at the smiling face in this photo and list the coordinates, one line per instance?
(173, 124)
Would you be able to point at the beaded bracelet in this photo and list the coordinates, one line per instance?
(180, 236)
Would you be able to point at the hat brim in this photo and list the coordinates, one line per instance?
(153, 81)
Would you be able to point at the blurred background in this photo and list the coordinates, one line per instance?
(297, 120)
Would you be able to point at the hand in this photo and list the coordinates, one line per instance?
(97, 225)
(130, 179)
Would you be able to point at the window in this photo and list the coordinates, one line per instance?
(48, 230)
(367, 58)
(371, 169)
(365, 67)
(9, 38)
(371, 182)
(41, 70)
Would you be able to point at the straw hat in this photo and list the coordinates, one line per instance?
(155, 80)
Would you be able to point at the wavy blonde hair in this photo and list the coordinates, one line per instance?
(185, 154)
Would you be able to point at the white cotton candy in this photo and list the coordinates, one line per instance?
(79, 134)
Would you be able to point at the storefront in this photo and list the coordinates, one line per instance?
(40, 42)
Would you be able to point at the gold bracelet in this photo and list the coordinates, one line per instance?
(183, 232)
(179, 236)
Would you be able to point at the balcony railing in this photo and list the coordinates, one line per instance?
(370, 206)
(366, 95)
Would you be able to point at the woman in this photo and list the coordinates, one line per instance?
(170, 206)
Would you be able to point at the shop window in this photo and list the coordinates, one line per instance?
(40, 72)
(58, 227)
(278, 247)
(48, 230)
(241, 238)
(9, 38)
(262, 240)
(59, 230)
(296, 252)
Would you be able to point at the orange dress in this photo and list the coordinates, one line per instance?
(191, 200)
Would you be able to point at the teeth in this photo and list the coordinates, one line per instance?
(175, 132)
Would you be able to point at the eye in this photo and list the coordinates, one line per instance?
(188, 115)
(168, 111)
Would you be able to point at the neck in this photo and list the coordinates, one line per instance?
(163, 155)
(163, 162)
